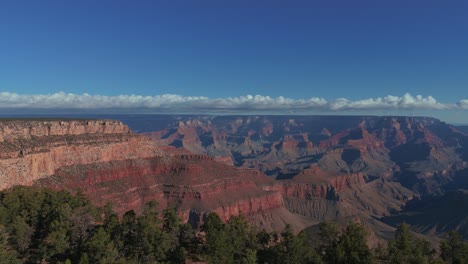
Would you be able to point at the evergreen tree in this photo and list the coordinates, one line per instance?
(352, 246)
(21, 234)
(404, 248)
(380, 253)
(100, 249)
(454, 250)
(153, 243)
(264, 240)
(187, 238)
(241, 240)
(219, 249)
(293, 249)
(128, 234)
(41, 225)
(328, 240)
(400, 248)
(7, 254)
(171, 227)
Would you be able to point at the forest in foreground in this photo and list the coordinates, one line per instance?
(39, 225)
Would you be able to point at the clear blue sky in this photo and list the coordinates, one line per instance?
(298, 49)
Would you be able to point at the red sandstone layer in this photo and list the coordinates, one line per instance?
(31, 150)
(194, 184)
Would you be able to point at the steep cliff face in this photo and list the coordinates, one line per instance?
(193, 184)
(33, 149)
(26, 129)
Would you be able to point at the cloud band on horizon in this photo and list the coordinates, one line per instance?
(170, 102)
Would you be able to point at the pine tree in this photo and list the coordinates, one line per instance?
(241, 239)
(153, 243)
(7, 254)
(352, 246)
(454, 250)
(219, 249)
(328, 239)
(404, 248)
(100, 248)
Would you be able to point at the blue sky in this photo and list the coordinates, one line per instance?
(220, 49)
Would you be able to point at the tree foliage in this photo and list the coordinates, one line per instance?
(46, 226)
(405, 248)
(454, 250)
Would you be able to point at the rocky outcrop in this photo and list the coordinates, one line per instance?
(35, 149)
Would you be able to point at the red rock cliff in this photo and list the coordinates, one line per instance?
(34, 149)
(194, 184)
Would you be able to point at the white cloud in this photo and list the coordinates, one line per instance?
(171, 102)
(407, 101)
(463, 104)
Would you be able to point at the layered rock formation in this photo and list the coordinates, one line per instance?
(193, 184)
(35, 149)
(104, 160)
(320, 168)
(419, 152)
(332, 167)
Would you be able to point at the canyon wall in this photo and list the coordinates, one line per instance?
(34, 149)
(194, 184)
(110, 164)
(27, 129)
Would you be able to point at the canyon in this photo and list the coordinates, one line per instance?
(397, 160)
(276, 170)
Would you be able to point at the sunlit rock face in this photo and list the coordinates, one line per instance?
(35, 149)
